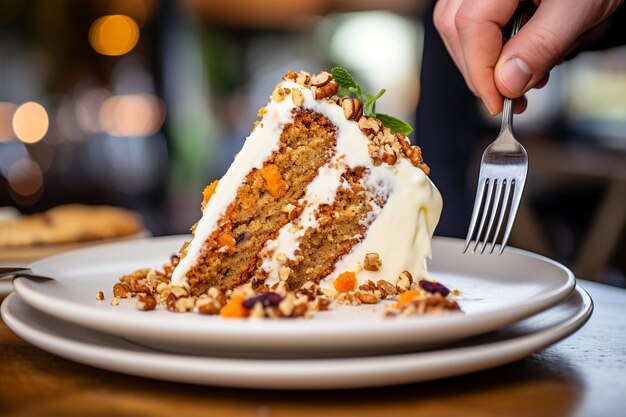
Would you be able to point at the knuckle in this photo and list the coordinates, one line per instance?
(546, 44)
(462, 21)
(439, 21)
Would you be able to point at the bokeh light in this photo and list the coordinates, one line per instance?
(25, 177)
(7, 110)
(66, 122)
(30, 122)
(131, 115)
(114, 35)
(87, 107)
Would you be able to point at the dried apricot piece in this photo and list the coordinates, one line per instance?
(235, 308)
(274, 180)
(407, 297)
(207, 193)
(345, 282)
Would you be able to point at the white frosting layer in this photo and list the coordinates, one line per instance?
(400, 232)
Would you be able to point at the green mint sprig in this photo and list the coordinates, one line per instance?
(348, 87)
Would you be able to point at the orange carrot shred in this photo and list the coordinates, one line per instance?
(345, 282)
(208, 192)
(235, 308)
(274, 180)
(407, 297)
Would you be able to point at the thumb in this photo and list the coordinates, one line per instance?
(541, 44)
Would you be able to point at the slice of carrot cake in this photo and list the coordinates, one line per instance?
(317, 187)
(326, 193)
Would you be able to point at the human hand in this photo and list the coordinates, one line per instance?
(472, 33)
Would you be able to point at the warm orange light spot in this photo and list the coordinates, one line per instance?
(30, 122)
(131, 115)
(25, 177)
(235, 308)
(208, 192)
(114, 35)
(345, 282)
(407, 297)
(275, 184)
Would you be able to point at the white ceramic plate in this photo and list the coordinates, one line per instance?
(22, 256)
(114, 353)
(497, 290)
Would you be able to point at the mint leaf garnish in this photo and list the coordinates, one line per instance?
(369, 107)
(394, 124)
(346, 81)
(348, 87)
(344, 92)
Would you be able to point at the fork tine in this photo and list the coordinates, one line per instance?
(477, 204)
(494, 210)
(503, 208)
(517, 197)
(485, 210)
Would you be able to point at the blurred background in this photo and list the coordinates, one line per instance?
(141, 103)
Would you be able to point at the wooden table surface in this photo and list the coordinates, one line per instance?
(584, 375)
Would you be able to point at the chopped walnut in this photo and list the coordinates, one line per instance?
(323, 304)
(279, 94)
(287, 305)
(99, 296)
(370, 126)
(386, 289)
(368, 286)
(283, 273)
(430, 304)
(257, 312)
(290, 75)
(326, 90)
(179, 292)
(115, 302)
(321, 79)
(120, 290)
(299, 310)
(404, 281)
(352, 108)
(146, 302)
(367, 297)
(372, 262)
(295, 213)
(304, 79)
(297, 97)
(217, 295)
(287, 208)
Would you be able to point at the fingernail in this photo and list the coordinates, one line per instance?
(515, 75)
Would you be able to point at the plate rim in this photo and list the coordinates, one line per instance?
(284, 374)
(87, 316)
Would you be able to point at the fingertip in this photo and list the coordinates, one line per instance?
(492, 108)
(513, 77)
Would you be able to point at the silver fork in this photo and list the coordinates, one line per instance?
(503, 170)
(7, 273)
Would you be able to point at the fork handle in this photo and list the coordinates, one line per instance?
(507, 111)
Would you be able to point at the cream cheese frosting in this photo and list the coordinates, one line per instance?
(399, 232)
